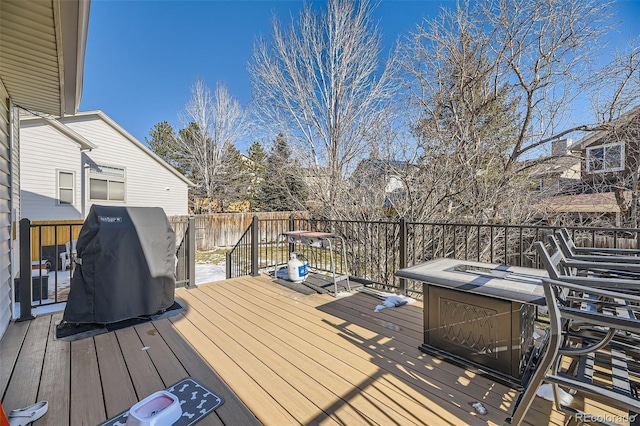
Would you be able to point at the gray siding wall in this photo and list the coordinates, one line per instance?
(5, 211)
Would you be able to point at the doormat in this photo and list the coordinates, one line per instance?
(196, 402)
(299, 287)
(314, 284)
(70, 332)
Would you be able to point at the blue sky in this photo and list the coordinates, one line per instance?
(143, 55)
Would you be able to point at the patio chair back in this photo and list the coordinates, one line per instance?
(553, 263)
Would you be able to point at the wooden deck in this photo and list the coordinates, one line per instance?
(277, 357)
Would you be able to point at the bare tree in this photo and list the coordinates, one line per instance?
(213, 123)
(320, 81)
(495, 83)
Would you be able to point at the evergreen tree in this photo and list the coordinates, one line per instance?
(256, 167)
(233, 178)
(283, 187)
(163, 142)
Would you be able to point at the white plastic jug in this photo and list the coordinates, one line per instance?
(296, 269)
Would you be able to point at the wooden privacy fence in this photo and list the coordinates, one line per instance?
(225, 229)
(52, 233)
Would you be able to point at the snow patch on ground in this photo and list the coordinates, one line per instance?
(207, 273)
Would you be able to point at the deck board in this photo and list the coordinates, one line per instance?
(24, 392)
(472, 385)
(349, 348)
(86, 395)
(145, 377)
(301, 370)
(336, 365)
(55, 379)
(233, 411)
(10, 348)
(167, 365)
(118, 390)
(294, 402)
(277, 357)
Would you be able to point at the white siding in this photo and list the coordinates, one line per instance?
(148, 183)
(43, 152)
(5, 212)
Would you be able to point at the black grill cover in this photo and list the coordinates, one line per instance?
(128, 265)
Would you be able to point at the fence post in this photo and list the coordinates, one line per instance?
(25, 271)
(403, 253)
(228, 264)
(254, 247)
(192, 251)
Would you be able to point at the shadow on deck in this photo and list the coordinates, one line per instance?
(276, 356)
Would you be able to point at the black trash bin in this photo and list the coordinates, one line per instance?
(39, 287)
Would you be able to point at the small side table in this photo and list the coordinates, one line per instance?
(317, 240)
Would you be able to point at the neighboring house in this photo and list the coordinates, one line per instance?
(560, 174)
(580, 207)
(74, 162)
(611, 155)
(42, 47)
(609, 172)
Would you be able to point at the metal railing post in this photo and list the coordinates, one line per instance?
(25, 271)
(403, 253)
(254, 246)
(191, 257)
(292, 247)
(228, 264)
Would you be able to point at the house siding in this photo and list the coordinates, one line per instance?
(5, 210)
(146, 179)
(45, 150)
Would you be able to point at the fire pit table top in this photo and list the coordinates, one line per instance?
(489, 279)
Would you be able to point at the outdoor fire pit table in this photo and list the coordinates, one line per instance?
(480, 315)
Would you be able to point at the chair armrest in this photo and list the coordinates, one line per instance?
(628, 286)
(613, 301)
(612, 266)
(606, 258)
(607, 251)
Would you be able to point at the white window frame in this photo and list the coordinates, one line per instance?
(59, 187)
(605, 147)
(102, 172)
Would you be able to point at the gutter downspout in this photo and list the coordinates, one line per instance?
(83, 190)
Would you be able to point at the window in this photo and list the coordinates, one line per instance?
(65, 188)
(106, 183)
(605, 158)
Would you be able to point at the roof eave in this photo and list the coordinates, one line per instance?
(73, 24)
(42, 53)
(83, 143)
